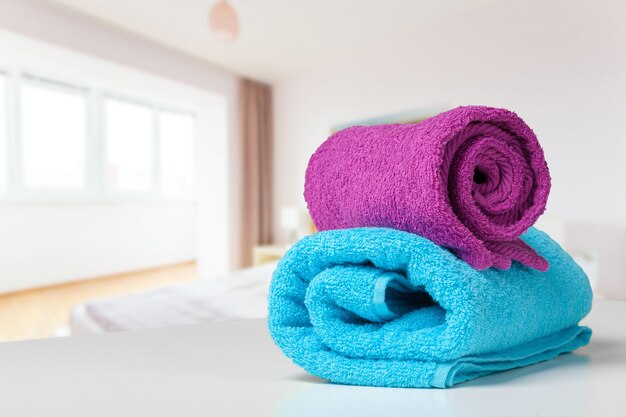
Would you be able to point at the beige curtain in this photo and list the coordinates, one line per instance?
(257, 147)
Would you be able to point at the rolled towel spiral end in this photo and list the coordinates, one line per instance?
(498, 184)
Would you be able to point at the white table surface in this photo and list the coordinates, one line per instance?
(232, 368)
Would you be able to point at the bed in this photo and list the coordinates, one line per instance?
(242, 294)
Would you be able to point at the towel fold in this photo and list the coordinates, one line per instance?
(382, 307)
(472, 179)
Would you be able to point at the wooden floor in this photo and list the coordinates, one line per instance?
(41, 312)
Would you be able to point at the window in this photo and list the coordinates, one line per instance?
(176, 135)
(3, 135)
(53, 127)
(57, 137)
(129, 141)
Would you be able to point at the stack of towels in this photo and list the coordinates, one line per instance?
(426, 271)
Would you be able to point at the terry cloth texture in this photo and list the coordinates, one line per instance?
(383, 307)
(472, 179)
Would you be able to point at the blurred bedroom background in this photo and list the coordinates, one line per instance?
(152, 153)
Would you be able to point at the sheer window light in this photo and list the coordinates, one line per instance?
(176, 134)
(129, 142)
(3, 135)
(53, 130)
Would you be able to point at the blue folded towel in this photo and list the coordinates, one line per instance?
(383, 307)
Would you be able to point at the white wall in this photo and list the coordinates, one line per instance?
(63, 240)
(48, 243)
(560, 65)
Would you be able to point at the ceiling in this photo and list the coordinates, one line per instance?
(278, 38)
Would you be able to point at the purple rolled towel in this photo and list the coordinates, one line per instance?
(472, 179)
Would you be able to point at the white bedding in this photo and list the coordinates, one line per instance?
(243, 294)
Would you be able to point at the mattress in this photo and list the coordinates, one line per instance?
(242, 294)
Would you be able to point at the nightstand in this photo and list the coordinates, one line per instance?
(268, 253)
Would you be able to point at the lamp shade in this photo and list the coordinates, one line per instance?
(223, 21)
(289, 218)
